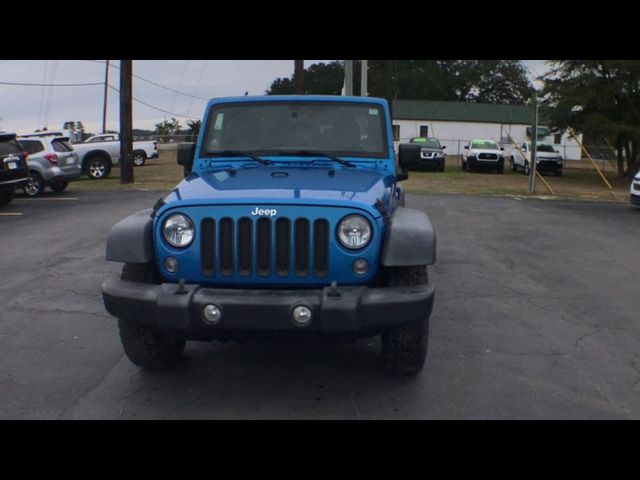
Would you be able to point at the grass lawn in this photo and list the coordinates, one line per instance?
(578, 181)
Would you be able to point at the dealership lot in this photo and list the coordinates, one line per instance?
(535, 317)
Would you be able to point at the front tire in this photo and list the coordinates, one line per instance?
(149, 348)
(404, 350)
(98, 168)
(35, 187)
(527, 169)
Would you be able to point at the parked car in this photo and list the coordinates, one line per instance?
(100, 153)
(634, 193)
(290, 222)
(52, 162)
(13, 167)
(432, 154)
(548, 159)
(483, 154)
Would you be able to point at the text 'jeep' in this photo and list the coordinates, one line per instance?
(290, 218)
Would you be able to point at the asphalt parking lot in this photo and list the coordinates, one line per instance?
(536, 316)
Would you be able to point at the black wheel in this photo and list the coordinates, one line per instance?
(464, 165)
(35, 186)
(59, 186)
(404, 350)
(469, 167)
(557, 173)
(501, 168)
(139, 157)
(441, 169)
(513, 165)
(527, 169)
(149, 348)
(98, 167)
(6, 196)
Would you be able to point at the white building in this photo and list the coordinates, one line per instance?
(456, 123)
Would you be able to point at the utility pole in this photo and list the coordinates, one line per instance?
(104, 105)
(298, 77)
(348, 77)
(534, 143)
(126, 121)
(364, 91)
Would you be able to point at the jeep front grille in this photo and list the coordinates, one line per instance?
(264, 246)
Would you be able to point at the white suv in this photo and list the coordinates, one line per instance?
(634, 192)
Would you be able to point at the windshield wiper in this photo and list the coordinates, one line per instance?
(240, 153)
(312, 153)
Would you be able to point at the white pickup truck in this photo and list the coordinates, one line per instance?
(548, 159)
(98, 154)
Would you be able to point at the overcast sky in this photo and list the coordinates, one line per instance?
(26, 108)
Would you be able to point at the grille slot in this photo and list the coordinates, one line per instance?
(321, 247)
(263, 247)
(208, 246)
(245, 246)
(283, 243)
(301, 247)
(226, 246)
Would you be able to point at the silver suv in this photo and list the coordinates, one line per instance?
(52, 162)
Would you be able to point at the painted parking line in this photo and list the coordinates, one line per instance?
(46, 199)
(10, 214)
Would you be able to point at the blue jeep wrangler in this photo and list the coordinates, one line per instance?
(290, 220)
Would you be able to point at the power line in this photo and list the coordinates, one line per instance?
(52, 84)
(204, 65)
(154, 107)
(155, 83)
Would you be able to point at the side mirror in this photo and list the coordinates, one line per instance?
(557, 151)
(444, 146)
(409, 155)
(186, 153)
(502, 148)
(466, 147)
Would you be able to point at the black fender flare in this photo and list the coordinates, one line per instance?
(410, 239)
(131, 239)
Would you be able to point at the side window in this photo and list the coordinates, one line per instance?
(32, 146)
(59, 146)
(396, 133)
(424, 130)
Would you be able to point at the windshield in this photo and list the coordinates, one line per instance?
(262, 128)
(427, 142)
(484, 145)
(542, 147)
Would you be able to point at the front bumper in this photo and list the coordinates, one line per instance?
(155, 155)
(431, 162)
(345, 310)
(485, 163)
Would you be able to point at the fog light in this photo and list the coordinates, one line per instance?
(302, 316)
(212, 314)
(360, 266)
(171, 264)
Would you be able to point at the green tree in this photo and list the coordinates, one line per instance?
(601, 99)
(194, 129)
(319, 79)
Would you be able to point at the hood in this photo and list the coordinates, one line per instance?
(431, 149)
(285, 184)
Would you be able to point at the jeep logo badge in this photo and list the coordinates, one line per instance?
(264, 212)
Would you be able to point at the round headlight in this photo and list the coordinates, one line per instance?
(178, 230)
(354, 231)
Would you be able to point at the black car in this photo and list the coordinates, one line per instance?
(432, 154)
(14, 171)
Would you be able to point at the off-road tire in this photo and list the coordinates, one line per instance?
(501, 168)
(527, 169)
(441, 169)
(513, 165)
(35, 187)
(149, 348)
(6, 197)
(404, 350)
(464, 165)
(59, 186)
